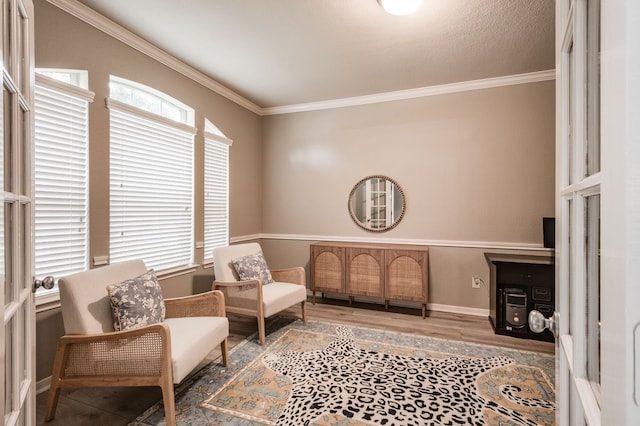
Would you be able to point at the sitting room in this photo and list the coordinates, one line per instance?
(353, 193)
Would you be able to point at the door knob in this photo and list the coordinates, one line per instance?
(47, 282)
(538, 322)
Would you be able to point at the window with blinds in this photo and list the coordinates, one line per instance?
(151, 182)
(61, 179)
(216, 190)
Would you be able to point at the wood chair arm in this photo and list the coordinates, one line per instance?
(294, 275)
(156, 332)
(160, 329)
(208, 304)
(243, 285)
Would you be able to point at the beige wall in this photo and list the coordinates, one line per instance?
(477, 170)
(476, 167)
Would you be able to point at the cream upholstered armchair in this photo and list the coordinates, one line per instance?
(250, 294)
(92, 354)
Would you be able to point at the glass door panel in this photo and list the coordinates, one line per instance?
(6, 31)
(9, 290)
(593, 89)
(8, 365)
(7, 117)
(568, 126)
(569, 276)
(593, 291)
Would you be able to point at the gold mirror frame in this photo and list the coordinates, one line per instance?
(365, 208)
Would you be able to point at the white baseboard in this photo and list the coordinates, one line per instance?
(43, 385)
(430, 306)
(458, 309)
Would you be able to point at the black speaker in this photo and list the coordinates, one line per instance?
(549, 232)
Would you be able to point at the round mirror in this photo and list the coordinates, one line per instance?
(376, 203)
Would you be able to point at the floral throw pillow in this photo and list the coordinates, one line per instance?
(252, 267)
(136, 302)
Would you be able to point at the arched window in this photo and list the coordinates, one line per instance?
(151, 176)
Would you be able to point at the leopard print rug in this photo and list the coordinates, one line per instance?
(384, 389)
(321, 374)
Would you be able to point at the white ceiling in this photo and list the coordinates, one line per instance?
(288, 52)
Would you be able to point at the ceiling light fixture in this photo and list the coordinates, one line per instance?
(400, 7)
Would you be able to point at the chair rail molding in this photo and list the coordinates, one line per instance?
(497, 245)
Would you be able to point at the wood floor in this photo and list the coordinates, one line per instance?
(119, 406)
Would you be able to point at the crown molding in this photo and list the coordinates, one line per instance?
(93, 18)
(419, 92)
(118, 32)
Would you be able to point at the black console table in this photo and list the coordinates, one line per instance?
(520, 284)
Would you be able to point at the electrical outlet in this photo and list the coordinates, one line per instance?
(475, 282)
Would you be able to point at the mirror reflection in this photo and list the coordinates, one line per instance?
(376, 203)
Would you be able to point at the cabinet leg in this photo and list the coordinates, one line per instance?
(424, 311)
(350, 300)
(313, 298)
(386, 305)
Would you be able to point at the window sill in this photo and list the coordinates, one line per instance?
(47, 301)
(176, 272)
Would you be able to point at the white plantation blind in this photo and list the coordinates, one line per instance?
(216, 193)
(151, 188)
(61, 179)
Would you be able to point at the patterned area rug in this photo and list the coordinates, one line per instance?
(324, 374)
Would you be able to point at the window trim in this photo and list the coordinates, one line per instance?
(130, 109)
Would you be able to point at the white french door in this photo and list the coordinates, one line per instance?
(578, 211)
(598, 212)
(16, 271)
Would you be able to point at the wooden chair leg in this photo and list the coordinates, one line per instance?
(261, 330)
(56, 375)
(304, 310)
(169, 402)
(225, 353)
(52, 401)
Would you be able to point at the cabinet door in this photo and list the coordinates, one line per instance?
(365, 272)
(407, 275)
(327, 269)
